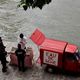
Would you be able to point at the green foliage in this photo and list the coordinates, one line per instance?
(33, 3)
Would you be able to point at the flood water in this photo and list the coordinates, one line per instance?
(58, 20)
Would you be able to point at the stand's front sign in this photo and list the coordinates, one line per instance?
(50, 58)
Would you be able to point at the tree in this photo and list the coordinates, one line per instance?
(33, 3)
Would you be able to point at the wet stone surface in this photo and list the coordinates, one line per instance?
(36, 73)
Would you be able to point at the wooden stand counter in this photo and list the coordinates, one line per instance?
(28, 58)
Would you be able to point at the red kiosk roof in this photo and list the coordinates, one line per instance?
(53, 45)
(50, 44)
(71, 48)
(37, 37)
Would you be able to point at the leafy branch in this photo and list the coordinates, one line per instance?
(33, 3)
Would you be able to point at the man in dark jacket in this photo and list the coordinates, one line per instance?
(3, 54)
(20, 53)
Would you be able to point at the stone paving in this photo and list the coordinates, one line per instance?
(36, 73)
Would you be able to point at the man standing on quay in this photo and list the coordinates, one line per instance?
(20, 53)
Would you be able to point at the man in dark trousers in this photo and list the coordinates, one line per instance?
(3, 54)
(20, 53)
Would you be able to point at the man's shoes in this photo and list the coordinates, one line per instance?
(24, 69)
(19, 69)
(6, 67)
(4, 70)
